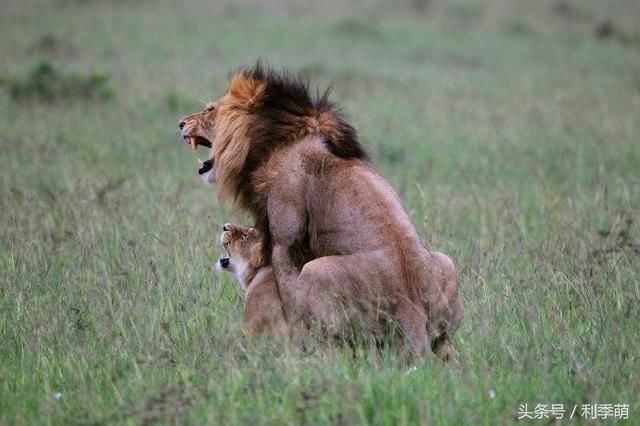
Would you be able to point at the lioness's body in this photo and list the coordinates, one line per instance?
(262, 306)
(342, 247)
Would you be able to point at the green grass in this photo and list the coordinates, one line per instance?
(509, 130)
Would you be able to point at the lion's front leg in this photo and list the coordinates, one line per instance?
(287, 275)
(288, 227)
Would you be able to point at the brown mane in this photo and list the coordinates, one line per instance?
(261, 111)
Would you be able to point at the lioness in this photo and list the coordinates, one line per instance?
(262, 305)
(333, 228)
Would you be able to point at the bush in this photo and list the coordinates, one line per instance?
(46, 82)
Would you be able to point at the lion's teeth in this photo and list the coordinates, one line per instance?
(194, 144)
(200, 162)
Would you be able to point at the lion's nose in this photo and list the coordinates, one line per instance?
(225, 227)
(224, 262)
(181, 124)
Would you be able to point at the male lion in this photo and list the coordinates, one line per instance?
(262, 305)
(333, 228)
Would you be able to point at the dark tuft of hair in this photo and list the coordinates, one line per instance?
(287, 97)
(349, 145)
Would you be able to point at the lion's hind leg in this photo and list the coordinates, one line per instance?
(349, 293)
(342, 294)
(447, 307)
(443, 348)
(413, 322)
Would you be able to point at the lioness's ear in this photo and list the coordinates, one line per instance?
(257, 260)
(246, 91)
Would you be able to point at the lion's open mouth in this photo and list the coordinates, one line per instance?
(194, 141)
(205, 166)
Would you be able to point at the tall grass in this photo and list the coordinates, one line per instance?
(509, 129)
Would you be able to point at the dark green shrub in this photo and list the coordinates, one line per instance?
(46, 82)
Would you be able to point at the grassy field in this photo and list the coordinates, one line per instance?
(510, 128)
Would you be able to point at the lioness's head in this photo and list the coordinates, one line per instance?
(244, 248)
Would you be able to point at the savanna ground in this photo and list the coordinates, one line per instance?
(510, 129)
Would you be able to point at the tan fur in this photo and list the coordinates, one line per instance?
(262, 306)
(342, 246)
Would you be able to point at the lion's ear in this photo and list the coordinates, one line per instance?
(247, 91)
